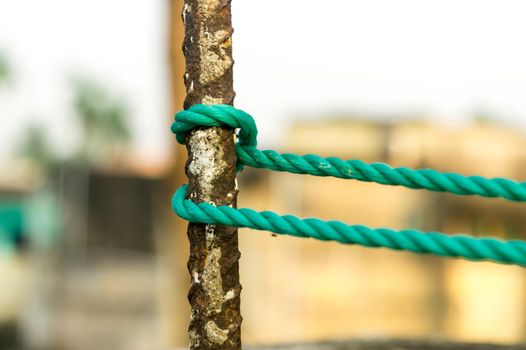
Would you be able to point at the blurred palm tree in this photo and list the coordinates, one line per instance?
(4, 68)
(33, 144)
(103, 121)
(35, 147)
(104, 131)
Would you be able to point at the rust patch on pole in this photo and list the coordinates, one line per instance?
(213, 264)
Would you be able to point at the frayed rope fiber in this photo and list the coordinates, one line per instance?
(508, 252)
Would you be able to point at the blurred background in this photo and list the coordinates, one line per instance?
(91, 255)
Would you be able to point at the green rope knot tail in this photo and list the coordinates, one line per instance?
(460, 246)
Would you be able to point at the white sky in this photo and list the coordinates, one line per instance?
(442, 58)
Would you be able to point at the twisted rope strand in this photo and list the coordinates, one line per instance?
(383, 174)
(248, 154)
(506, 252)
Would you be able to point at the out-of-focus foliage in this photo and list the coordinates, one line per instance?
(103, 122)
(35, 147)
(104, 132)
(4, 68)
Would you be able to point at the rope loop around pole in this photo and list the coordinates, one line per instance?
(216, 115)
(248, 154)
(471, 248)
(436, 243)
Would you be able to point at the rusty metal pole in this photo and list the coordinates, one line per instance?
(211, 169)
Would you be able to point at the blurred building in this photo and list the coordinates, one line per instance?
(104, 266)
(81, 269)
(301, 289)
(107, 262)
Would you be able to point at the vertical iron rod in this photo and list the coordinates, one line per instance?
(211, 169)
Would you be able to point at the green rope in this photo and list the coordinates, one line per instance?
(507, 252)
(220, 115)
(510, 252)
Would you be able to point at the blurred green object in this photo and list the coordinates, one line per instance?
(34, 219)
(11, 225)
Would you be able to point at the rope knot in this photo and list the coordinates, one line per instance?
(509, 252)
(216, 115)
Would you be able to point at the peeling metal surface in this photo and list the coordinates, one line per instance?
(215, 334)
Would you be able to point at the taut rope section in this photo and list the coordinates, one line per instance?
(248, 154)
(508, 252)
